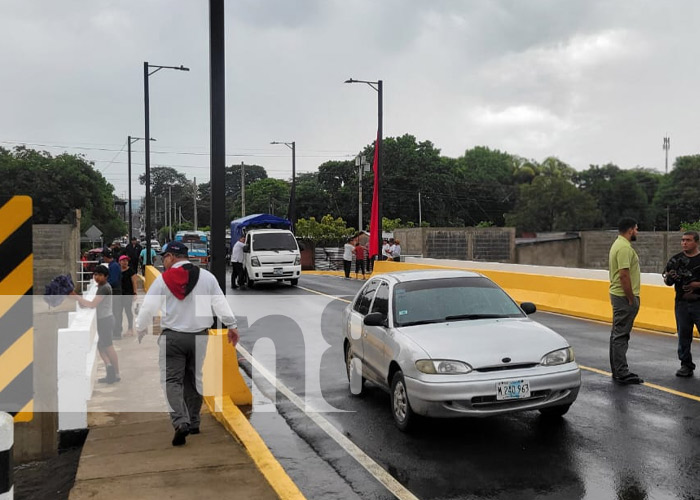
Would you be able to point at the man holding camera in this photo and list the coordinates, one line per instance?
(683, 272)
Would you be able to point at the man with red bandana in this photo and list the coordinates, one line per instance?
(192, 297)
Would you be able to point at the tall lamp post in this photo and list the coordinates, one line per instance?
(147, 139)
(378, 174)
(131, 140)
(291, 211)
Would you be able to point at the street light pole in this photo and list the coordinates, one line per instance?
(147, 140)
(131, 140)
(291, 210)
(379, 87)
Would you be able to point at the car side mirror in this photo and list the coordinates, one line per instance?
(528, 307)
(246, 249)
(375, 319)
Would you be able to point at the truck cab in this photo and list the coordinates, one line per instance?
(271, 254)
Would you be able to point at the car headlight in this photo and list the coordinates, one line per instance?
(255, 262)
(558, 357)
(442, 367)
(297, 261)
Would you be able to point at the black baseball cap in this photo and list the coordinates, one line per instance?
(175, 248)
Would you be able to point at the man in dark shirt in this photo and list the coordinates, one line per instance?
(133, 250)
(683, 272)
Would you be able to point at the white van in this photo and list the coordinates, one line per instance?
(271, 254)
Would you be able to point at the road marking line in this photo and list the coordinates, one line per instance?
(376, 470)
(324, 294)
(648, 384)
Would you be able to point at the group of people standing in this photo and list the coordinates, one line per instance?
(682, 272)
(363, 263)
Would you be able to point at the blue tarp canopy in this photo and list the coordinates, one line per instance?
(257, 221)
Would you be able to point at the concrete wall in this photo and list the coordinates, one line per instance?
(564, 253)
(465, 243)
(56, 251)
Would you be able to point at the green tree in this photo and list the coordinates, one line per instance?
(552, 203)
(58, 185)
(232, 190)
(312, 200)
(327, 231)
(678, 192)
(618, 194)
(269, 196)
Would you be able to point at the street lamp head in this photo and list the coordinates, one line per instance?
(182, 68)
(350, 80)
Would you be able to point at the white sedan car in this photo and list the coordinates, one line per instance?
(453, 343)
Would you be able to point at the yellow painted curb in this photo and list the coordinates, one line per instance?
(238, 425)
(579, 297)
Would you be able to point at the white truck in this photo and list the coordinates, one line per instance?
(271, 254)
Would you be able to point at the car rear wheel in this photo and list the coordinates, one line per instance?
(354, 370)
(555, 411)
(404, 418)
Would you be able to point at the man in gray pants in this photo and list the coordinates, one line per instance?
(192, 297)
(625, 284)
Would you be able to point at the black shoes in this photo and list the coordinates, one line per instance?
(629, 379)
(684, 371)
(111, 377)
(194, 430)
(181, 433)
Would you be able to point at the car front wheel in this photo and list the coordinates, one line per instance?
(404, 418)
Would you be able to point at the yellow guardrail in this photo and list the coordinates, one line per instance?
(580, 297)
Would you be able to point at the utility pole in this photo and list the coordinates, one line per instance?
(170, 213)
(667, 146)
(242, 190)
(420, 212)
(194, 183)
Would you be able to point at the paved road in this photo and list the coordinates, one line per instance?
(634, 442)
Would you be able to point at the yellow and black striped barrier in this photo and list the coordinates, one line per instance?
(16, 308)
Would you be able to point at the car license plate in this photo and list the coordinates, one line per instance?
(277, 271)
(512, 389)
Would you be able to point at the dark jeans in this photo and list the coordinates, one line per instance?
(623, 319)
(687, 316)
(117, 312)
(347, 266)
(360, 266)
(237, 274)
(181, 360)
(127, 302)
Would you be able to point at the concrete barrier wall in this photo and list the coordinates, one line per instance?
(577, 292)
(466, 243)
(76, 368)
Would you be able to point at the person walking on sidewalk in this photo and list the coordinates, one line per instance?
(129, 287)
(192, 296)
(237, 275)
(683, 272)
(105, 323)
(625, 284)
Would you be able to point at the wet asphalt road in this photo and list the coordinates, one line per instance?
(616, 442)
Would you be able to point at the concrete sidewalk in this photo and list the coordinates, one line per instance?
(128, 453)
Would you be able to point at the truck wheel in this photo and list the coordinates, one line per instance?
(294, 282)
(249, 282)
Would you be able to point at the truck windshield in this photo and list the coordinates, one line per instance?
(274, 241)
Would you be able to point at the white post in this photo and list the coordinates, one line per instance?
(7, 439)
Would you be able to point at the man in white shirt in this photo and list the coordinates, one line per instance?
(237, 274)
(191, 297)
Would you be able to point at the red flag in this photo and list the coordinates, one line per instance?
(373, 219)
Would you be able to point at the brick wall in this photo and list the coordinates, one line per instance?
(56, 251)
(463, 243)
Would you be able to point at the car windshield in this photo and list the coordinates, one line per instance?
(274, 241)
(451, 299)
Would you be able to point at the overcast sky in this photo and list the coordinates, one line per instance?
(588, 81)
